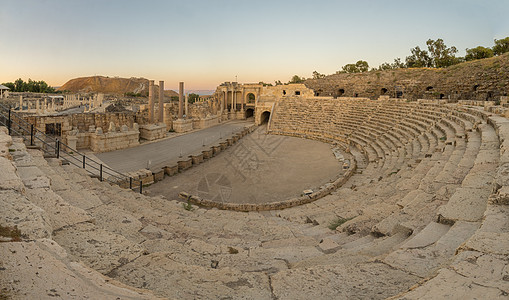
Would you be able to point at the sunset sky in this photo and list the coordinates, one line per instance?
(204, 43)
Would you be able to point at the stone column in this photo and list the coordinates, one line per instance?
(234, 102)
(161, 101)
(181, 99)
(45, 107)
(20, 102)
(151, 101)
(37, 106)
(243, 99)
(187, 104)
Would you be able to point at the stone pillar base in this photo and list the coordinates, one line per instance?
(183, 125)
(152, 131)
(72, 141)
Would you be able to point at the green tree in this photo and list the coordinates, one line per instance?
(31, 86)
(501, 46)
(362, 66)
(441, 55)
(359, 67)
(398, 63)
(418, 59)
(10, 85)
(478, 52)
(297, 79)
(193, 97)
(317, 75)
(278, 82)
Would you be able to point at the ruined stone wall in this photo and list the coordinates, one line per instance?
(82, 121)
(485, 79)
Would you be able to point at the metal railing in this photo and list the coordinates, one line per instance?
(52, 146)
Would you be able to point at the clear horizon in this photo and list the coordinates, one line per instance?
(205, 43)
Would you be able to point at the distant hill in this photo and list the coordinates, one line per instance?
(110, 85)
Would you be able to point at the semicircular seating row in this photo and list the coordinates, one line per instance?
(417, 209)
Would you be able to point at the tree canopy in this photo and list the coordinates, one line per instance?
(501, 46)
(297, 79)
(31, 86)
(317, 75)
(478, 52)
(359, 67)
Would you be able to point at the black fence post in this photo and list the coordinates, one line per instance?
(130, 183)
(141, 187)
(58, 149)
(31, 134)
(9, 122)
(101, 172)
(84, 161)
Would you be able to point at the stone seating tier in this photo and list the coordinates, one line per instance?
(407, 230)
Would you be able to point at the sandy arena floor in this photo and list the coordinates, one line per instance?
(260, 168)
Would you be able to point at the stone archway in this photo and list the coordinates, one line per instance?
(265, 117)
(249, 113)
(250, 98)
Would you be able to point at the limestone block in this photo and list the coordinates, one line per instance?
(216, 149)
(466, 204)
(112, 127)
(185, 164)
(171, 170)
(60, 213)
(9, 180)
(197, 159)
(328, 246)
(40, 269)
(207, 153)
(33, 177)
(97, 248)
(158, 176)
(17, 210)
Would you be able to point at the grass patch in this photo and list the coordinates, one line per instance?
(232, 250)
(12, 150)
(188, 206)
(11, 232)
(443, 138)
(338, 222)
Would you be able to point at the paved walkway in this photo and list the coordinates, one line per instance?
(156, 155)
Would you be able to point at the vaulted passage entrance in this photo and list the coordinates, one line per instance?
(249, 113)
(264, 118)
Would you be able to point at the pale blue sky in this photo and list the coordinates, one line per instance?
(205, 43)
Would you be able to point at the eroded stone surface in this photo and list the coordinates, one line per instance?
(31, 220)
(99, 249)
(40, 270)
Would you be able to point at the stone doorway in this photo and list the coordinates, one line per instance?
(249, 113)
(264, 118)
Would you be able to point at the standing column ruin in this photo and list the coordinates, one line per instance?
(161, 101)
(187, 104)
(242, 100)
(181, 99)
(151, 101)
(234, 101)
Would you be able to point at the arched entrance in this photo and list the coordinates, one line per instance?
(264, 118)
(249, 113)
(250, 98)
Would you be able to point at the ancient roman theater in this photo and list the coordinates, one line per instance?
(384, 184)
